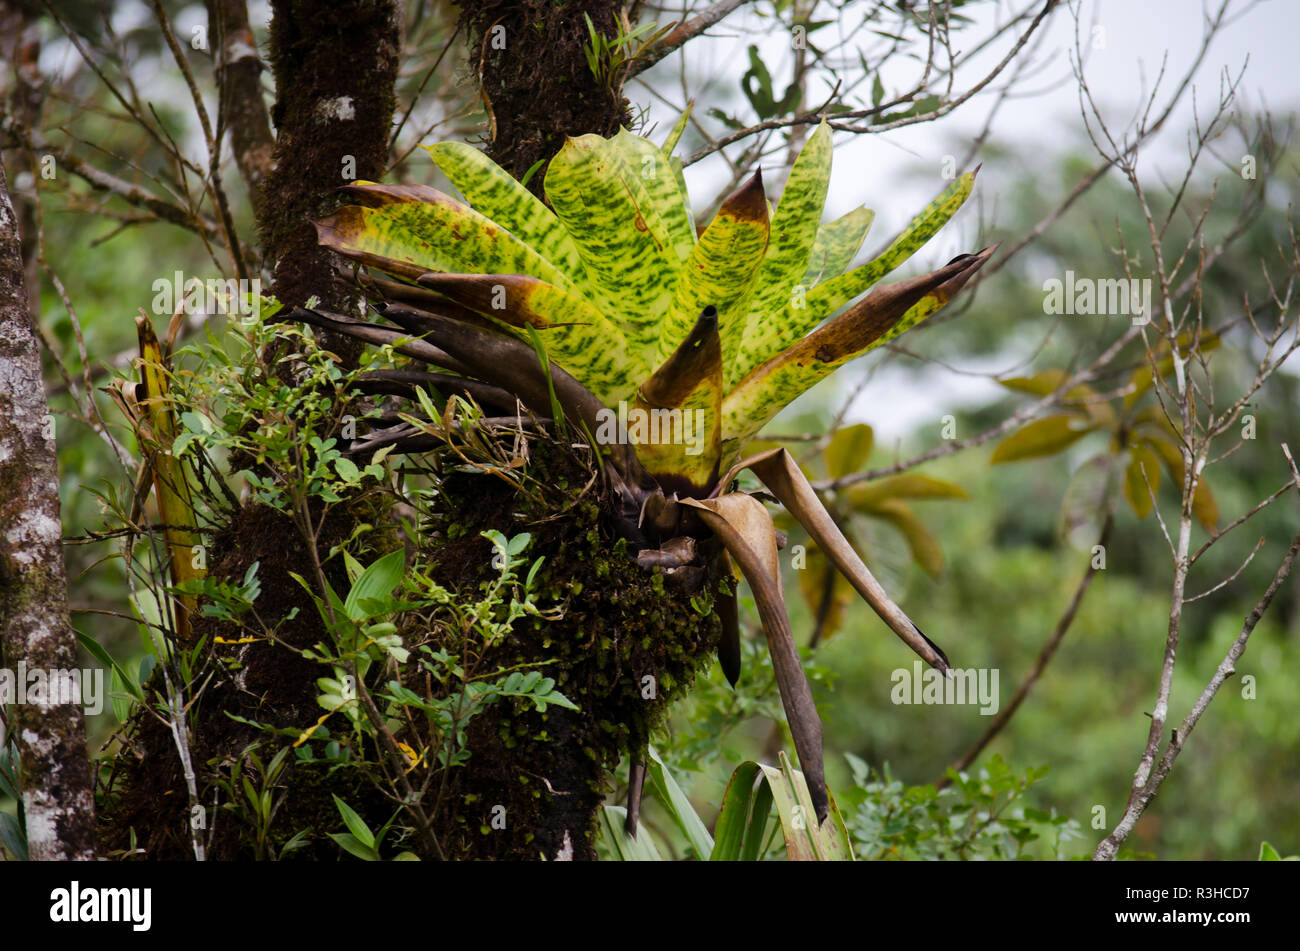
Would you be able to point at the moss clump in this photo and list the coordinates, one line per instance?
(624, 647)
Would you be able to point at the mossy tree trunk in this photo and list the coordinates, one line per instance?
(335, 69)
(531, 61)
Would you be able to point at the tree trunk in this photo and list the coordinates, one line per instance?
(335, 67)
(531, 60)
(34, 621)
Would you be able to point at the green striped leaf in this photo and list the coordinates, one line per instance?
(630, 266)
(793, 232)
(830, 295)
(805, 312)
(622, 847)
(734, 820)
(679, 173)
(576, 335)
(496, 194)
(412, 229)
(721, 265)
(836, 245)
(675, 134)
(881, 316)
(656, 173)
(688, 820)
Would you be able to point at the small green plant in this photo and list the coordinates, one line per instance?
(608, 58)
(360, 841)
(976, 817)
(254, 794)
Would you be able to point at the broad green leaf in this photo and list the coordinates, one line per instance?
(680, 807)
(837, 244)
(909, 485)
(413, 229)
(356, 825)
(1042, 437)
(1143, 468)
(496, 194)
(630, 265)
(793, 230)
(376, 582)
(760, 811)
(849, 449)
(355, 846)
(656, 174)
(734, 819)
(720, 268)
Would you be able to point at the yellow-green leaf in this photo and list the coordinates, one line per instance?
(836, 245)
(721, 266)
(806, 311)
(655, 171)
(793, 232)
(849, 449)
(496, 194)
(883, 314)
(908, 485)
(409, 230)
(1142, 461)
(924, 547)
(631, 268)
(1043, 437)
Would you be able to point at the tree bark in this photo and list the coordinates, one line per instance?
(34, 621)
(239, 78)
(531, 61)
(20, 45)
(335, 68)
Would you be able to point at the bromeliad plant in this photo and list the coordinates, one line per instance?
(667, 346)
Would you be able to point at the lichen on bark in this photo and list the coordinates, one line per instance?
(35, 628)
